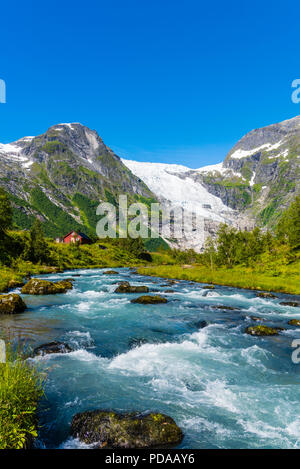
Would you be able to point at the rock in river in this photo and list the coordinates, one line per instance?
(149, 300)
(11, 304)
(294, 322)
(52, 347)
(295, 304)
(262, 330)
(130, 430)
(36, 286)
(110, 272)
(265, 295)
(125, 287)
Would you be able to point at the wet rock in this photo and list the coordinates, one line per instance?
(256, 318)
(208, 287)
(262, 330)
(130, 430)
(76, 275)
(227, 308)
(52, 347)
(265, 295)
(165, 285)
(125, 287)
(170, 291)
(15, 284)
(294, 322)
(200, 324)
(150, 300)
(110, 272)
(295, 304)
(11, 304)
(136, 342)
(36, 286)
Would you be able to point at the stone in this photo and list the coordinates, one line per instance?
(149, 300)
(11, 304)
(128, 430)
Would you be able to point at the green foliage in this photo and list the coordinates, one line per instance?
(21, 387)
(289, 225)
(5, 213)
(60, 221)
(38, 247)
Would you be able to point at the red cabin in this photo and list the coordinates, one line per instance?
(74, 237)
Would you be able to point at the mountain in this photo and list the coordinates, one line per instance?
(258, 179)
(62, 175)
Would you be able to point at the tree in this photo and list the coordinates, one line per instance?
(38, 247)
(289, 225)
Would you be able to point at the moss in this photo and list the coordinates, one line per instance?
(294, 322)
(11, 304)
(262, 330)
(131, 430)
(150, 300)
(44, 287)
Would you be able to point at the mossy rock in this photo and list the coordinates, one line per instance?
(130, 430)
(150, 300)
(226, 308)
(52, 347)
(110, 272)
(125, 287)
(208, 287)
(295, 304)
(169, 291)
(262, 330)
(36, 286)
(15, 284)
(11, 304)
(294, 322)
(265, 295)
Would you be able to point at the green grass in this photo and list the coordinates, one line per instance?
(288, 281)
(21, 387)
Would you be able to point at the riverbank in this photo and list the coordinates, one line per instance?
(21, 388)
(239, 277)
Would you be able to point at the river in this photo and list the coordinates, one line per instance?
(224, 388)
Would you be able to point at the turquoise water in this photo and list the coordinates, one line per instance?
(224, 388)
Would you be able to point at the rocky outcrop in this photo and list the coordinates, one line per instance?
(125, 287)
(150, 300)
(36, 286)
(130, 430)
(263, 330)
(294, 304)
(265, 295)
(52, 347)
(294, 322)
(11, 304)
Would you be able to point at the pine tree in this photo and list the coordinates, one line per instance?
(38, 251)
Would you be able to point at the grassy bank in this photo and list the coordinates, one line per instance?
(21, 387)
(240, 277)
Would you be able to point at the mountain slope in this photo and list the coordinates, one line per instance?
(62, 176)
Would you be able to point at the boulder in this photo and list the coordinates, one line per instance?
(294, 322)
(36, 286)
(265, 295)
(295, 304)
(227, 308)
(110, 272)
(11, 304)
(125, 287)
(15, 284)
(200, 324)
(149, 300)
(169, 291)
(52, 347)
(208, 287)
(130, 430)
(262, 330)
(256, 318)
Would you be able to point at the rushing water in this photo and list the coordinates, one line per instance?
(224, 388)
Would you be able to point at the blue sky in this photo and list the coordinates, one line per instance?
(170, 81)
